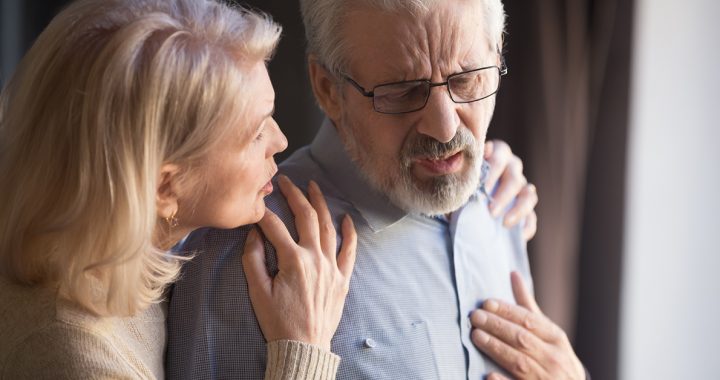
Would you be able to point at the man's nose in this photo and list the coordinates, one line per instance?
(439, 118)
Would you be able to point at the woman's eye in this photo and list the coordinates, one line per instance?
(260, 133)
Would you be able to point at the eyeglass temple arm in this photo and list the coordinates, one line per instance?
(365, 93)
(503, 65)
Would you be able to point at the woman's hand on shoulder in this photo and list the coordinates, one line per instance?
(305, 300)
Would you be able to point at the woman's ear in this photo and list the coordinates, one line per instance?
(325, 88)
(167, 191)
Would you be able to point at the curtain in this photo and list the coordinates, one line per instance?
(563, 109)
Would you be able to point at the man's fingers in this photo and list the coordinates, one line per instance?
(537, 323)
(509, 333)
(515, 362)
(348, 251)
(530, 228)
(306, 218)
(511, 182)
(253, 258)
(496, 376)
(525, 203)
(328, 236)
(522, 294)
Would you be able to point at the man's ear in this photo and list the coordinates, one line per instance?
(499, 50)
(166, 198)
(325, 89)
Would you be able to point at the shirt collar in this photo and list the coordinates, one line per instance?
(329, 152)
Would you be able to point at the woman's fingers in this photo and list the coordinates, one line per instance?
(348, 251)
(497, 154)
(253, 258)
(313, 281)
(278, 235)
(306, 218)
(328, 236)
(525, 203)
(530, 228)
(512, 182)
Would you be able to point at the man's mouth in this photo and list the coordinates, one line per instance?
(449, 164)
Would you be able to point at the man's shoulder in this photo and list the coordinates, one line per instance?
(301, 168)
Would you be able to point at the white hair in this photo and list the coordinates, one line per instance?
(324, 18)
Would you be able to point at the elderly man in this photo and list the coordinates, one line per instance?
(408, 89)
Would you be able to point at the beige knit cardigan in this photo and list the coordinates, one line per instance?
(45, 337)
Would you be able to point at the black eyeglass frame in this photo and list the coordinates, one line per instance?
(503, 70)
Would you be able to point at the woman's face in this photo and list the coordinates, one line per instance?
(237, 173)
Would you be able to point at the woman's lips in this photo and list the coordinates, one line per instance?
(448, 165)
(268, 188)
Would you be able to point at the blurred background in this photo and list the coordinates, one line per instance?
(613, 107)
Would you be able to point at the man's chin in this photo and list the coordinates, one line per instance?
(438, 195)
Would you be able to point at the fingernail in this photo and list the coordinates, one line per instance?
(313, 186)
(481, 336)
(480, 317)
(510, 220)
(490, 305)
(494, 210)
(252, 236)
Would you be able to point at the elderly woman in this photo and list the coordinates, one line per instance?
(129, 124)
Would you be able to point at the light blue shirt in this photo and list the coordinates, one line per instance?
(415, 282)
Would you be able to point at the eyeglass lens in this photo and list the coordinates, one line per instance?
(412, 96)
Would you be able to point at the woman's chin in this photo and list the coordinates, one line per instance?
(258, 212)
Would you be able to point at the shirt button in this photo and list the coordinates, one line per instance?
(370, 343)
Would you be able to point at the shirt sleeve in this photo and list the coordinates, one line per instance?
(288, 359)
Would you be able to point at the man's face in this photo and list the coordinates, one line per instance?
(426, 161)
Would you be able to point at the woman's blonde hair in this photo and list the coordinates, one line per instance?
(111, 91)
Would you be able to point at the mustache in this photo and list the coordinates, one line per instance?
(427, 147)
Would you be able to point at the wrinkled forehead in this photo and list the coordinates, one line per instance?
(449, 37)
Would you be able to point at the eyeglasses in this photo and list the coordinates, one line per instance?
(410, 96)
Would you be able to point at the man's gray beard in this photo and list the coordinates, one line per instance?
(437, 196)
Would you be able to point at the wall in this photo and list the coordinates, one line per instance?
(10, 36)
(670, 314)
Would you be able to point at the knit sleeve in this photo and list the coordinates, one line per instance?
(289, 359)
